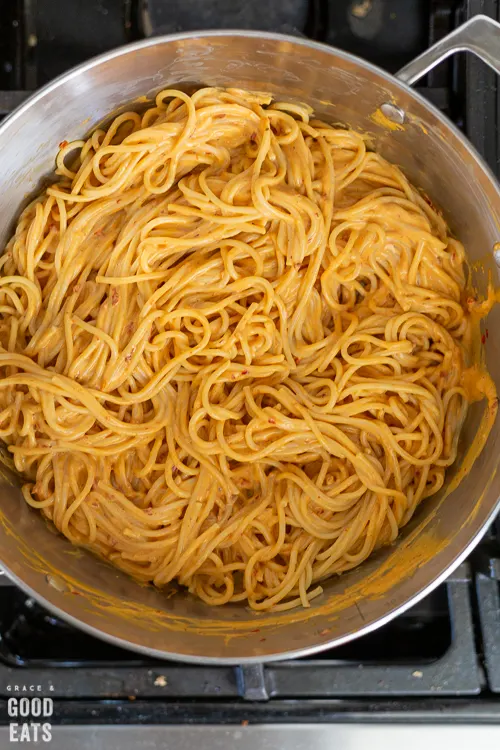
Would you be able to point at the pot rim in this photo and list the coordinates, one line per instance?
(222, 661)
(393, 80)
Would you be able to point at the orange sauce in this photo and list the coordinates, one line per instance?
(380, 119)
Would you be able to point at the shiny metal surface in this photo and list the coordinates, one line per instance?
(479, 35)
(268, 737)
(436, 157)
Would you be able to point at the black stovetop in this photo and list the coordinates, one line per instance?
(438, 661)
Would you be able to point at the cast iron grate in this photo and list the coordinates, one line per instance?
(360, 668)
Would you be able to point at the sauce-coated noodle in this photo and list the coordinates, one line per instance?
(232, 347)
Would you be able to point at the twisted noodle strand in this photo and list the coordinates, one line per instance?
(232, 347)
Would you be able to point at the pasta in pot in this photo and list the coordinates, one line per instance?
(232, 347)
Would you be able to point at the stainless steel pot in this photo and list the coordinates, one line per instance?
(405, 129)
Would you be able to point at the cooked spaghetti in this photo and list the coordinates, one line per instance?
(232, 347)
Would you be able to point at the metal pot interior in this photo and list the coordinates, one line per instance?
(342, 89)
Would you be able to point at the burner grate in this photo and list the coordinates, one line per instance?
(104, 672)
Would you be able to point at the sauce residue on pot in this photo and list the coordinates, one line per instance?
(380, 119)
(480, 309)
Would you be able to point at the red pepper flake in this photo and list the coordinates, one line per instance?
(262, 639)
(63, 144)
(297, 360)
(257, 630)
(244, 723)
(272, 421)
(244, 372)
(487, 334)
(483, 339)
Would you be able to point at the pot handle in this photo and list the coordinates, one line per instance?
(479, 35)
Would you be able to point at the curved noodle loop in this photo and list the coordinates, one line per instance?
(232, 346)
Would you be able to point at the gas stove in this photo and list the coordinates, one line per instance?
(439, 662)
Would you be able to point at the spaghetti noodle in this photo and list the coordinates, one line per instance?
(232, 347)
